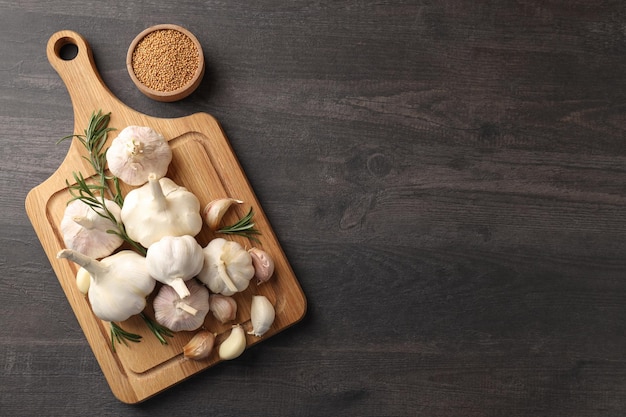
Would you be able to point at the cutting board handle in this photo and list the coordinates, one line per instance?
(87, 90)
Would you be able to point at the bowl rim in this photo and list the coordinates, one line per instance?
(173, 95)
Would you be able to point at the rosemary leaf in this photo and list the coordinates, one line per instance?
(244, 227)
(119, 335)
(94, 141)
(158, 330)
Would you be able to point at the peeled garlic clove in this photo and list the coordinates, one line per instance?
(263, 265)
(262, 315)
(83, 279)
(215, 210)
(224, 308)
(234, 344)
(200, 346)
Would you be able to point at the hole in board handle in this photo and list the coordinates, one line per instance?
(66, 49)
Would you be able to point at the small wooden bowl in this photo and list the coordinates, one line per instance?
(168, 95)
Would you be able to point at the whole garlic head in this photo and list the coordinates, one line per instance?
(227, 267)
(119, 283)
(160, 208)
(174, 260)
(85, 230)
(137, 152)
(178, 314)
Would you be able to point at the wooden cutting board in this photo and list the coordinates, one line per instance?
(204, 162)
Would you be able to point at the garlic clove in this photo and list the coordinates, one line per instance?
(200, 346)
(224, 308)
(234, 344)
(262, 315)
(263, 265)
(215, 210)
(83, 279)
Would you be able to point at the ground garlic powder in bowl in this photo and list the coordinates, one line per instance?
(165, 62)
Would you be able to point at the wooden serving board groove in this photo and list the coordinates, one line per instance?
(204, 162)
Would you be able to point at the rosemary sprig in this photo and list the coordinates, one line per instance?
(119, 335)
(94, 140)
(244, 227)
(91, 194)
(158, 330)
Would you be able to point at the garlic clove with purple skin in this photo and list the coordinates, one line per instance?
(263, 265)
(178, 314)
(200, 346)
(215, 210)
(224, 308)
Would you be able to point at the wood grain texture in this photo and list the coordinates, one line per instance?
(446, 179)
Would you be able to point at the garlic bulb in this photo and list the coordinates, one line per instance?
(227, 267)
(234, 344)
(200, 345)
(263, 265)
(160, 208)
(179, 314)
(119, 283)
(174, 260)
(84, 229)
(215, 210)
(137, 152)
(224, 308)
(262, 315)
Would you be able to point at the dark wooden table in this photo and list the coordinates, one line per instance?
(446, 178)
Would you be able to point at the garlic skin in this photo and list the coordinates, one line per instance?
(119, 283)
(224, 308)
(262, 315)
(200, 346)
(215, 210)
(136, 152)
(227, 267)
(234, 345)
(85, 231)
(179, 314)
(263, 265)
(174, 260)
(160, 208)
